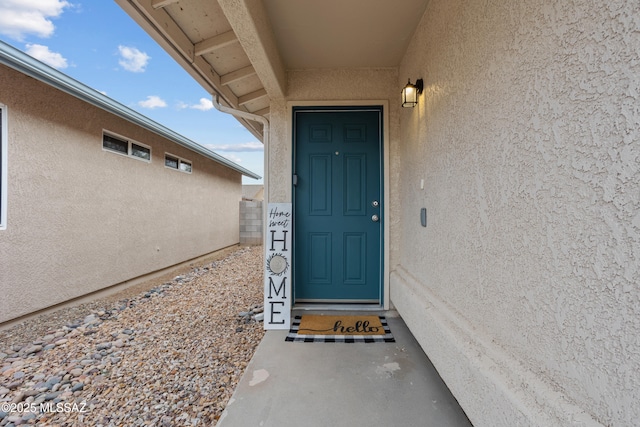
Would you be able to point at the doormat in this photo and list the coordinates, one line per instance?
(347, 329)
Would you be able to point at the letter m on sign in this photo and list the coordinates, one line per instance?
(282, 288)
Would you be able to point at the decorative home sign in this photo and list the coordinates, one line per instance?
(277, 271)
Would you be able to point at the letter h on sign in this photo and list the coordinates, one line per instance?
(283, 240)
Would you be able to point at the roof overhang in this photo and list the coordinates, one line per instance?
(18, 60)
(212, 41)
(242, 49)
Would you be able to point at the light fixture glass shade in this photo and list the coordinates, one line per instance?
(410, 93)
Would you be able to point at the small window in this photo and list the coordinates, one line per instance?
(185, 166)
(171, 162)
(115, 144)
(140, 151)
(3, 167)
(124, 146)
(175, 162)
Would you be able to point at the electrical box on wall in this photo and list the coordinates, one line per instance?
(423, 217)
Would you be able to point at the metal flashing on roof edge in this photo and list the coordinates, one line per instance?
(20, 61)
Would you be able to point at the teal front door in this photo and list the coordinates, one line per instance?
(338, 205)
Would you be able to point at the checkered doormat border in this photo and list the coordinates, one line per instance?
(293, 335)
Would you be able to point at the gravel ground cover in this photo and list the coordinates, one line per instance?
(168, 356)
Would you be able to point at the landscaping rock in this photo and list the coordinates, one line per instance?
(170, 358)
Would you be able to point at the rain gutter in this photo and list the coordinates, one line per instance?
(265, 134)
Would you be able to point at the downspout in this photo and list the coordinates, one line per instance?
(265, 142)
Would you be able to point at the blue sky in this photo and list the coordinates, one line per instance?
(98, 44)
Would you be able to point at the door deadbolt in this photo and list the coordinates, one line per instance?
(375, 203)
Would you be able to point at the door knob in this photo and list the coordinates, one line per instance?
(375, 218)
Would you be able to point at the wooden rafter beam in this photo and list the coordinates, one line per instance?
(157, 4)
(236, 75)
(159, 24)
(244, 99)
(154, 19)
(216, 42)
(249, 20)
(262, 112)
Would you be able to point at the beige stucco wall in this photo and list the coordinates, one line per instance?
(80, 218)
(524, 289)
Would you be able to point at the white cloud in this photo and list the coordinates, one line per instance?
(152, 101)
(43, 54)
(21, 17)
(239, 148)
(204, 105)
(131, 59)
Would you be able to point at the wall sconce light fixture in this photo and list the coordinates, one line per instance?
(410, 93)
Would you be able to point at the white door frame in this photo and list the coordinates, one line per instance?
(385, 161)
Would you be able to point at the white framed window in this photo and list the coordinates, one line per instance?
(126, 147)
(3, 166)
(177, 163)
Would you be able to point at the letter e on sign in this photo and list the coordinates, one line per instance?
(277, 269)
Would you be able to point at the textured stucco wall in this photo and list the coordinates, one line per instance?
(81, 218)
(524, 289)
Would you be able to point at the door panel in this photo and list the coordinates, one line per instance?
(355, 184)
(355, 259)
(319, 258)
(320, 184)
(338, 248)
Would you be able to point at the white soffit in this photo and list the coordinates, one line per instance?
(343, 33)
(197, 34)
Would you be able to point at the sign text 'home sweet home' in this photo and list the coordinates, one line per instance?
(277, 271)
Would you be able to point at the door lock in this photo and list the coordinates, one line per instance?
(375, 203)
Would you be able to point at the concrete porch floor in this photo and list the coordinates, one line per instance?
(338, 384)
